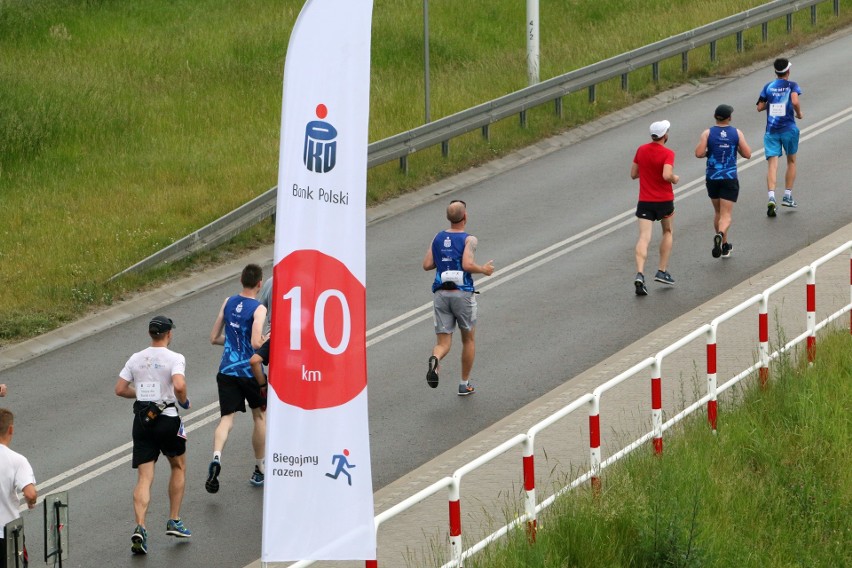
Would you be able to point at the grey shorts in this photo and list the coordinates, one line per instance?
(451, 307)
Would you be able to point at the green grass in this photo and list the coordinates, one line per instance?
(772, 488)
(125, 126)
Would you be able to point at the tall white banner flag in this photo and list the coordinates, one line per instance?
(318, 494)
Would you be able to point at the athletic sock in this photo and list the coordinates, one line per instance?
(260, 466)
(771, 194)
(788, 193)
(217, 456)
(463, 383)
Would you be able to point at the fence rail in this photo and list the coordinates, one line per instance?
(591, 401)
(481, 116)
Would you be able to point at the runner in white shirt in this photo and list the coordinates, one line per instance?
(155, 378)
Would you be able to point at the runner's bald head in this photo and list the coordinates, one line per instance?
(455, 211)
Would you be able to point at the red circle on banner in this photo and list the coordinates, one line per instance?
(318, 351)
(322, 111)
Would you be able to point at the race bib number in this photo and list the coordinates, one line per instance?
(777, 109)
(148, 391)
(454, 276)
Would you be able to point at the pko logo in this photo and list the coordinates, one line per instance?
(320, 151)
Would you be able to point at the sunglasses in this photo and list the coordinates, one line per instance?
(458, 201)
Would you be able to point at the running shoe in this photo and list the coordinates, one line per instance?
(256, 478)
(639, 283)
(717, 245)
(770, 208)
(432, 373)
(213, 471)
(174, 527)
(139, 540)
(788, 201)
(664, 278)
(726, 250)
(467, 389)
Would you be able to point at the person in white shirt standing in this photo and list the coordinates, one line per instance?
(16, 474)
(156, 378)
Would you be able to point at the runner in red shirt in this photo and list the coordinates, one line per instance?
(653, 166)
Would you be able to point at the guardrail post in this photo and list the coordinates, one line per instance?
(813, 15)
(684, 62)
(592, 93)
(811, 317)
(764, 31)
(529, 488)
(836, 7)
(403, 164)
(595, 442)
(558, 106)
(763, 338)
(789, 23)
(655, 71)
(657, 405)
(713, 51)
(486, 132)
(445, 148)
(523, 116)
(624, 82)
(711, 376)
(455, 520)
(739, 42)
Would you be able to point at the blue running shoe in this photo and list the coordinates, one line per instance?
(467, 389)
(664, 278)
(139, 540)
(788, 201)
(256, 478)
(432, 373)
(174, 527)
(213, 471)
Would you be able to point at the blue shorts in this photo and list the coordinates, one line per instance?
(773, 142)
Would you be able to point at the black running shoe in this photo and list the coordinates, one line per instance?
(213, 470)
(726, 250)
(432, 373)
(717, 245)
(639, 283)
(770, 208)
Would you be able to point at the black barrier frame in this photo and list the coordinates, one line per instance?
(56, 509)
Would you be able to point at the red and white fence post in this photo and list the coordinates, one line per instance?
(657, 405)
(529, 487)
(372, 564)
(711, 376)
(455, 519)
(763, 338)
(595, 441)
(811, 318)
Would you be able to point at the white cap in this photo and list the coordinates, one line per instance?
(659, 129)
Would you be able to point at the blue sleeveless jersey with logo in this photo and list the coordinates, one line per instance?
(722, 152)
(778, 93)
(447, 251)
(239, 317)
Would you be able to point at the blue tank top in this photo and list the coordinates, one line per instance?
(780, 115)
(722, 152)
(239, 317)
(447, 251)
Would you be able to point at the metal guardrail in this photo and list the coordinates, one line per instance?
(481, 116)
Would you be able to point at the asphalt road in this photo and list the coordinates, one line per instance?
(561, 232)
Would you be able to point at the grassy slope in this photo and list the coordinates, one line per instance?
(772, 488)
(125, 126)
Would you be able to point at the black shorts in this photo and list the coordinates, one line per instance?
(655, 210)
(235, 391)
(727, 189)
(263, 351)
(162, 436)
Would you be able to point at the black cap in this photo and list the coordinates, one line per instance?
(723, 112)
(160, 324)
